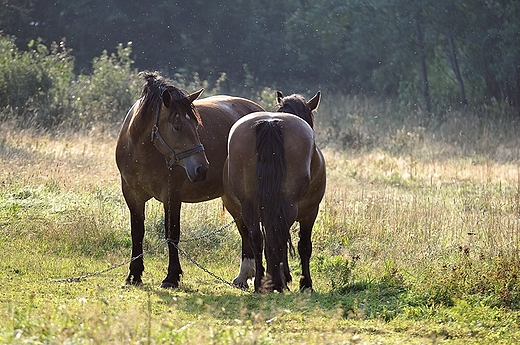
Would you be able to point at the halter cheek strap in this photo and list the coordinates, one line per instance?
(172, 158)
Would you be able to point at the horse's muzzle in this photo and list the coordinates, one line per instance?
(196, 171)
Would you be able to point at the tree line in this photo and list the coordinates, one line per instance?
(424, 52)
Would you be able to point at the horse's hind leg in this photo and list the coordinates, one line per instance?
(305, 249)
(256, 241)
(291, 211)
(277, 269)
(277, 242)
(286, 271)
(247, 264)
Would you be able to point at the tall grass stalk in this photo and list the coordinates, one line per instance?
(416, 241)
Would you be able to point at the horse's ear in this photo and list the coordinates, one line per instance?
(195, 95)
(314, 101)
(279, 97)
(167, 98)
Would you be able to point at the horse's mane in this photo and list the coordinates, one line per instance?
(153, 88)
(296, 105)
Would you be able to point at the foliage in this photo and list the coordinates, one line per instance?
(460, 51)
(338, 270)
(33, 83)
(105, 95)
(38, 88)
(360, 124)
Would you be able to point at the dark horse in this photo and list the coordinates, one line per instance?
(162, 152)
(274, 175)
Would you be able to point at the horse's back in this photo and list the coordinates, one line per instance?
(227, 106)
(292, 124)
(218, 114)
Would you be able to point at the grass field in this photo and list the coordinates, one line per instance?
(417, 242)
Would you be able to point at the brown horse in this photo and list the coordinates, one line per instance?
(274, 175)
(162, 152)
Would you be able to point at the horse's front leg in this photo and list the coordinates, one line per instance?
(136, 207)
(136, 265)
(172, 234)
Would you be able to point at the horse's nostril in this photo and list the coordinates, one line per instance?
(201, 171)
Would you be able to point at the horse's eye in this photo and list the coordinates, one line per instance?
(176, 123)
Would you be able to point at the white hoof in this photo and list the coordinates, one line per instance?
(247, 271)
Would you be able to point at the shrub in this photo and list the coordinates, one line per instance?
(106, 95)
(33, 83)
(38, 87)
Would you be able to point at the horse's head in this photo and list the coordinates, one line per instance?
(296, 105)
(175, 135)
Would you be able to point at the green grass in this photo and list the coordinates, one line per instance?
(416, 243)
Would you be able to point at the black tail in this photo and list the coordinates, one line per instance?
(271, 170)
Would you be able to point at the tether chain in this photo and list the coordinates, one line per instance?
(202, 267)
(77, 279)
(157, 246)
(162, 243)
(170, 240)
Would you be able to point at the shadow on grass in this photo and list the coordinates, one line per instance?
(371, 300)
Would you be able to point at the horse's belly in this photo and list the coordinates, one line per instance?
(202, 191)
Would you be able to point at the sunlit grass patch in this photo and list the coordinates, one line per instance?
(413, 244)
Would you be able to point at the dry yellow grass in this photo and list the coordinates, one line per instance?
(378, 206)
(72, 161)
(432, 227)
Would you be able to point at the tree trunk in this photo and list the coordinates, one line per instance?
(422, 59)
(455, 66)
(516, 91)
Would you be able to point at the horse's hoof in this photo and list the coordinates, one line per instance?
(134, 282)
(305, 284)
(307, 290)
(169, 285)
(241, 285)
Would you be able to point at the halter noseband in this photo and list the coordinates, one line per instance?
(175, 157)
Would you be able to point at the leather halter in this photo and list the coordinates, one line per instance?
(172, 158)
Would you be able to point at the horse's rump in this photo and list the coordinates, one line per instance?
(274, 176)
